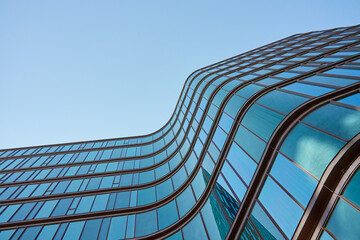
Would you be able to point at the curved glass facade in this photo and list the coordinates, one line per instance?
(263, 145)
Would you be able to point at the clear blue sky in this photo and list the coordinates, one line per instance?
(84, 70)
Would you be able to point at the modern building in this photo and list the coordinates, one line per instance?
(264, 145)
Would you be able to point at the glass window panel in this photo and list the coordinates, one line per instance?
(326, 236)
(122, 200)
(48, 232)
(303, 68)
(241, 162)
(287, 75)
(46, 209)
(264, 225)
(215, 221)
(91, 229)
(164, 189)
(219, 137)
(145, 223)
(341, 82)
(226, 122)
(261, 121)
(6, 234)
(117, 228)
(311, 149)
(195, 229)
(85, 204)
(185, 201)
(281, 101)
(352, 100)
(175, 236)
(352, 191)
(146, 196)
(199, 183)
(234, 181)
(162, 170)
(167, 215)
(233, 105)
(281, 207)
(100, 202)
(179, 177)
(23, 211)
(344, 71)
(339, 121)
(296, 182)
(74, 230)
(30, 233)
(269, 81)
(249, 90)
(344, 222)
(126, 180)
(146, 177)
(308, 89)
(250, 143)
(74, 185)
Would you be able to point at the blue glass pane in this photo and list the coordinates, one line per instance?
(281, 207)
(145, 223)
(343, 71)
(195, 229)
(311, 149)
(199, 183)
(264, 224)
(219, 137)
(215, 220)
(167, 215)
(352, 100)
(146, 196)
(9, 211)
(345, 221)
(345, 123)
(261, 121)
(287, 75)
(233, 180)
(30, 233)
(91, 229)
(185, 201)
(326, 236)
(241, 162)
(164, 189)
(74, 230)
(48, 232)
(253, 145)
(269, 81)
(281, 101)
(6, 234)
(176, 236)
(307, 89)
(117, 228)
(341, 82)
(249, 233)
(249, 90)
(233, 105)
(352, 191)
(296, 181)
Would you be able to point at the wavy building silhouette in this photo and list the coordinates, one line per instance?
(263, 145)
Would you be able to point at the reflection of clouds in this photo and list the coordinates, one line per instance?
(351, 124)
(314, 154)
(313, 150)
